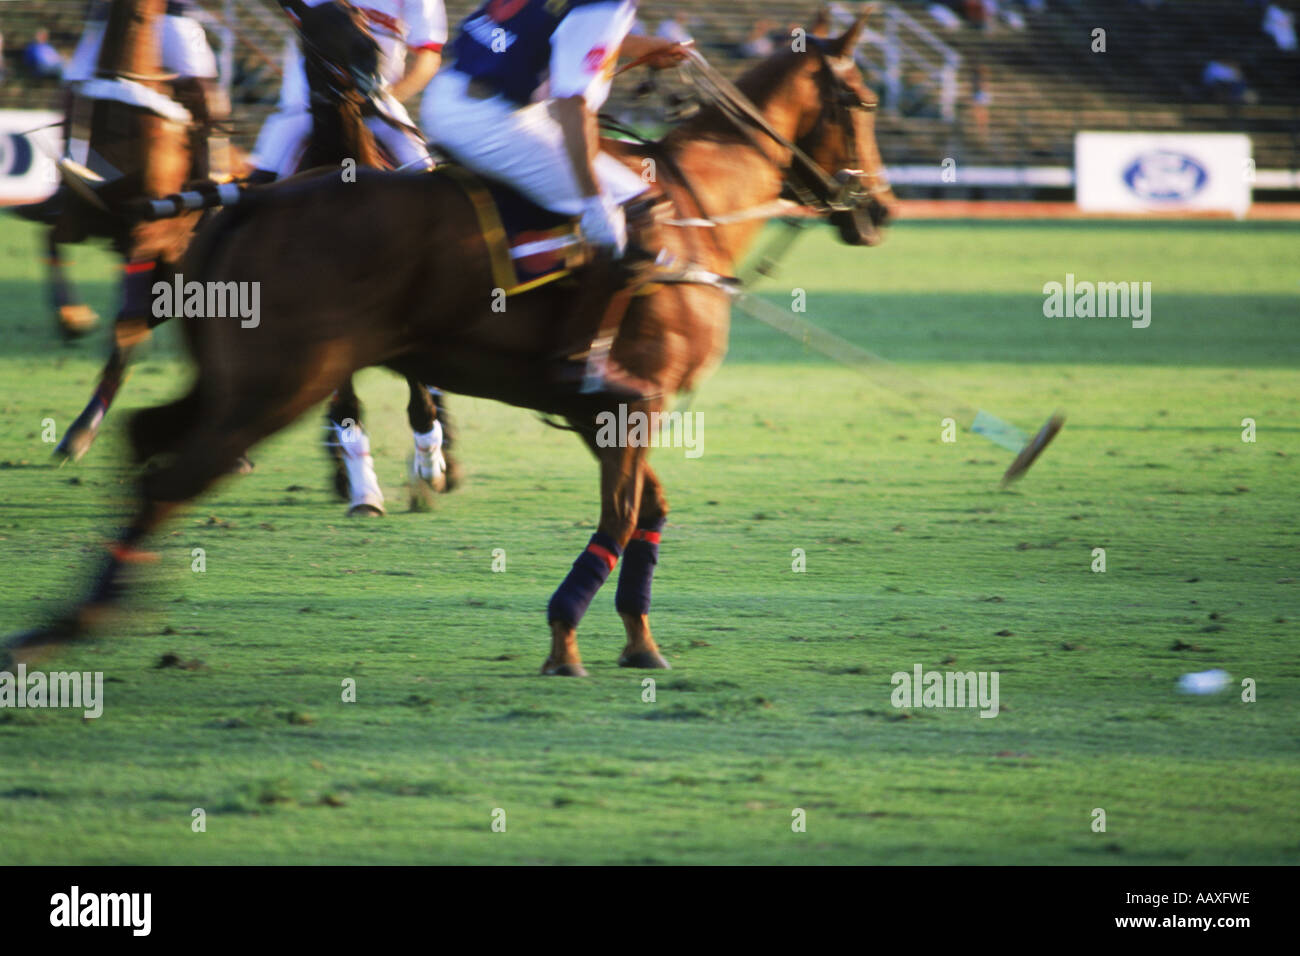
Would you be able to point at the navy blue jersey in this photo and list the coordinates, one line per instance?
(507, 43)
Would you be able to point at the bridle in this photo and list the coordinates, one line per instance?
(803, 179)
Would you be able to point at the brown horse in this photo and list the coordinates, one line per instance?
(151, 143)
(120, 135)
(412, 290)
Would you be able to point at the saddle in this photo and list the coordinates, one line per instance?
(530, 245)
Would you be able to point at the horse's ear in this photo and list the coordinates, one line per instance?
(294, 8)
(844, 44)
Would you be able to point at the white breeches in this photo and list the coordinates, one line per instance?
(522, 146)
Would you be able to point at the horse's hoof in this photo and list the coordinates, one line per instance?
(647, 660)
(74, 445)
(421, 490)
(28, 647)
(76, 321)
(365, 511)
(421, 498)
(563, 670)
(453, 476)
(243, 466)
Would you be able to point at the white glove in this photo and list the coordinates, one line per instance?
(603, 223)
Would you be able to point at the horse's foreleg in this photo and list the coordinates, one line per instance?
(632, 599)
(106, 590)
(73, 316)
(621, 473)
(130, 330)
(348, 446)
(210, 444)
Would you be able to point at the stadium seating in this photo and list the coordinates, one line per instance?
(1041, 83)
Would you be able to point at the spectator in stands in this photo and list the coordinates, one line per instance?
(40, 59)
(1280, 25)
(980, 13)
(674, 28)
(759, 43)
(980, 100)
(2, 57)
(917, 98)
(1225, 83)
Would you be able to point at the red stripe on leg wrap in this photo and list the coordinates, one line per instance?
(640, 534)
(609, 557)
(133, 268)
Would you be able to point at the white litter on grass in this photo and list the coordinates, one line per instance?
(1204, 682)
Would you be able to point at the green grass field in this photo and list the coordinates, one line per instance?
(780, 693)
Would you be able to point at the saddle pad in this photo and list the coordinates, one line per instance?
(529, 245)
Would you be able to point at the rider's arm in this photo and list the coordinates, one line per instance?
(658, 51)
(422, 64)
(581, 139)
(427, 21)
(584, 53)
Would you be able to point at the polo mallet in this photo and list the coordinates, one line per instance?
(885, 374)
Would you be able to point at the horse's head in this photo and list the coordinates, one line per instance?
(337, 47)
(836, 129)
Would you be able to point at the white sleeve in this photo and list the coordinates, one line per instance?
(426, 24)
(86, 57)
(584, 49)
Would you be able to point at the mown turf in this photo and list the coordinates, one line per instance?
(780, 693)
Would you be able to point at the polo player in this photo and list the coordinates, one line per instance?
(519, 105)
(410, 35)
(187, 62)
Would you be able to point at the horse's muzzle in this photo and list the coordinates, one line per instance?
(862, 224)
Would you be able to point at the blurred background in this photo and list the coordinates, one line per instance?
(997, 88)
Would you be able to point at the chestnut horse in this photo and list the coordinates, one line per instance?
(137, 142)
(136, 127)
(411, 289)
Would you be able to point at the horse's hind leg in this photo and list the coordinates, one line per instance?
(348, 446)
(73, 316)
(427, 472)
(443, 417)
(632, 599)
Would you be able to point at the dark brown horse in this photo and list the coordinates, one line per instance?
(341, 62)
(411, 289)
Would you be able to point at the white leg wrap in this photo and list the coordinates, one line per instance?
(362, 482)
(428, 463)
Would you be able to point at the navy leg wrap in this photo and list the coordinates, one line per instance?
(638, 571)
(137, 293)
(571, 599)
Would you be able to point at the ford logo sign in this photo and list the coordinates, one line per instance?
(1165, 176)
